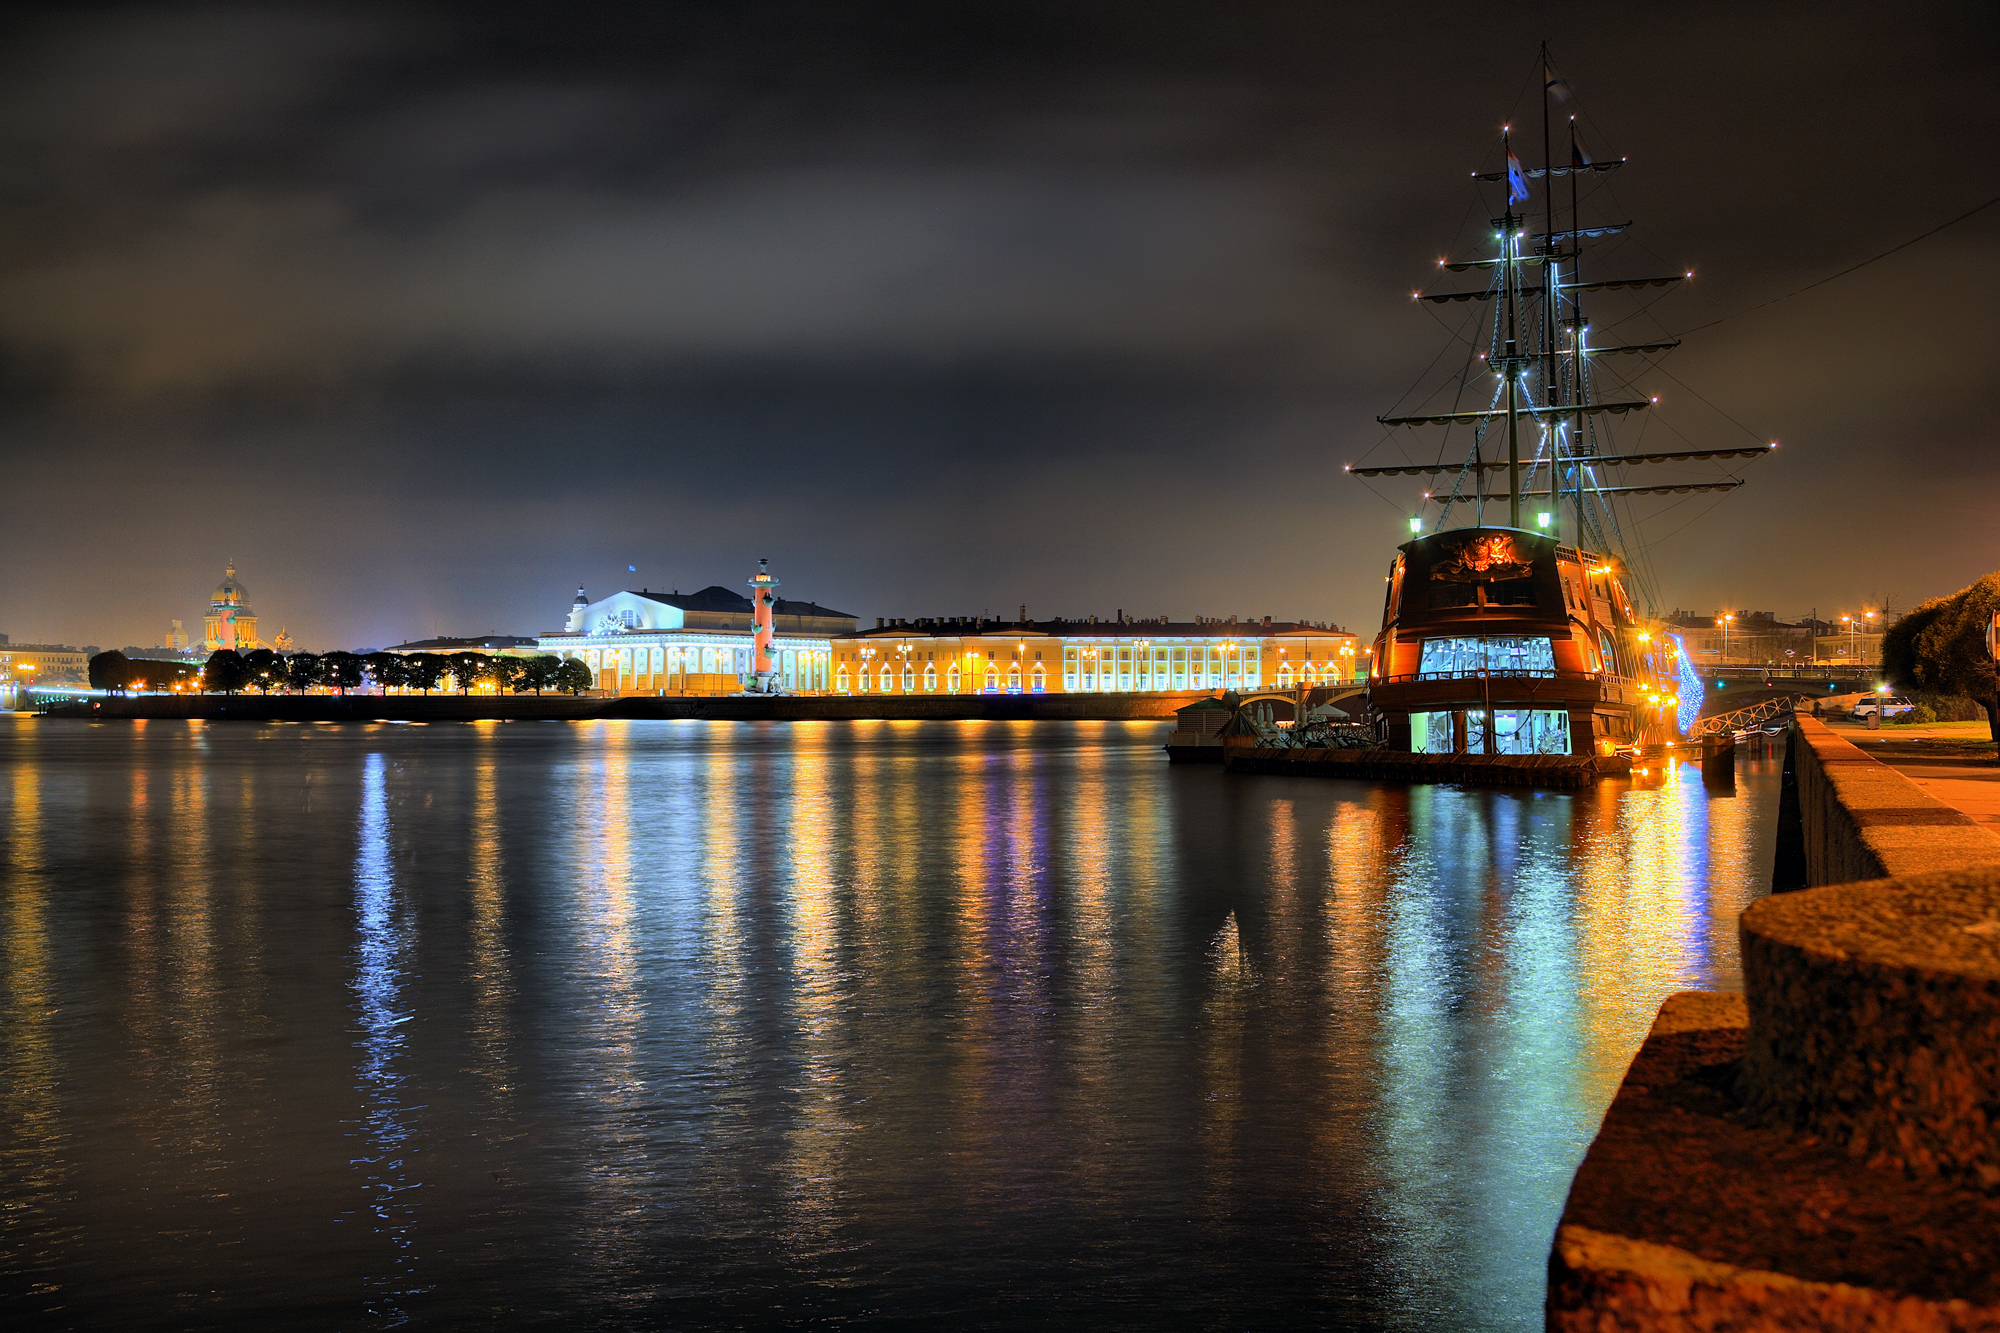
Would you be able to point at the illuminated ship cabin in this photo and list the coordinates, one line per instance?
(1502, 641)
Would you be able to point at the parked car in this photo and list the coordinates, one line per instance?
(1888, 705)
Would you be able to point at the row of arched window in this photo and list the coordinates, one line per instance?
(889, 678)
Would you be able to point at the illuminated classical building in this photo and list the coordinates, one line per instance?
(705, 642)
(977, 656)
(231, 622)
(43, 663)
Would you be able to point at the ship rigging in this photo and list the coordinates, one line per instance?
(1548, 402)
(1524, 638)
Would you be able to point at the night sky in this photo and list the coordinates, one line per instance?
(424, 316)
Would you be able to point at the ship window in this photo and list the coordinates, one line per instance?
(1508, 656)
(1530, 731)
(1511, 592)
(1610, 653)
(1430, 733)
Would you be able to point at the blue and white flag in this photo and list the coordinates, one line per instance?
(1517, 180)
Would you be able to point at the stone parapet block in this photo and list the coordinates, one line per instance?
(1688, 1213)
(1862, 820)
(1875, 1020)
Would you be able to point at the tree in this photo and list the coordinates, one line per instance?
(424, 671)
(115, 671)
(266, 668)
(305, 670)
(467, 669)
(110, 671)
(504, 671)
(573, 677)
(1941, 647)
(226, 671)
(389, 671)
(343, 671)
(537, 673)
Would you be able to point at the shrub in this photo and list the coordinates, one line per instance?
(1950, 707)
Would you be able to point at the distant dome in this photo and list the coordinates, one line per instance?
(229, 592)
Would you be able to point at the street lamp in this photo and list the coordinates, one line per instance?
(1723, 623)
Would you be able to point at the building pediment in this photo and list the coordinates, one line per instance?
(624, 612)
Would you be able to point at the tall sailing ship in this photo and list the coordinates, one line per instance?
(1539, 635)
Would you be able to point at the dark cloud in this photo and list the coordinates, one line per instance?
(422, 314)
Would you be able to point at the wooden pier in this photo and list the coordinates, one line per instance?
(1561, 772)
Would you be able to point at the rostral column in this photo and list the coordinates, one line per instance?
(764, 600)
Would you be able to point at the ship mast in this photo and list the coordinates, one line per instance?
(1569, 394)
(1508, 365)
(1551, 307)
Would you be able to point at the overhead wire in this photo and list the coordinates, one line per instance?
(1852, 268)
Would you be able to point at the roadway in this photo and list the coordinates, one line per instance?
(1952, 761)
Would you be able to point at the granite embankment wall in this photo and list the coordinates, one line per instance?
(552, 707)
(1818, 1152)
(1861, 819)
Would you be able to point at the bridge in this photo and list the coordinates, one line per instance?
(1733, 688)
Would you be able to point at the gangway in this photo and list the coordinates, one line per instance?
(1743, 719)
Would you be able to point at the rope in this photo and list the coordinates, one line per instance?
(1977, 208)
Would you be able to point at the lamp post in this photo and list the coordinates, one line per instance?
(1722, 623)
(1871, 629)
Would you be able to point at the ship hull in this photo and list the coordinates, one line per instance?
(1499, 641)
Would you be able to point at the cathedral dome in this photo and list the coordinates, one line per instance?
(230, 592)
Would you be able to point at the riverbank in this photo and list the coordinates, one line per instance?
(569, 708)
(1816, 1152)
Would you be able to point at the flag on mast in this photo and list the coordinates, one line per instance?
(1517, 180)
(1577, 157)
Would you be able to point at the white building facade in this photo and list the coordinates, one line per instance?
(698, 643)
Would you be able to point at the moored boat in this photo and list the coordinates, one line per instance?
(1515, 622)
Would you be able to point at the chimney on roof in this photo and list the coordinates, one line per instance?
(1267, 622)
(878, 622)
(1024, 613)
(1121, 615)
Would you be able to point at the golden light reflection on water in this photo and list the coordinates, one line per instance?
(190, 1104)
(817, 1142)
(492, 970)
(31, 1149)
(605, 915)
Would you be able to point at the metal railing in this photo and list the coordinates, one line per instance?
(1487, 674)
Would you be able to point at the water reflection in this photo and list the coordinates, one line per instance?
(986, 1023)
(31, 1150)
(382, 937)
(492, 966)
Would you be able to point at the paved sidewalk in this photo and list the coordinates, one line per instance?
(1952, 761)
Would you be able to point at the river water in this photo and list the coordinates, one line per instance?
(983, 1024)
